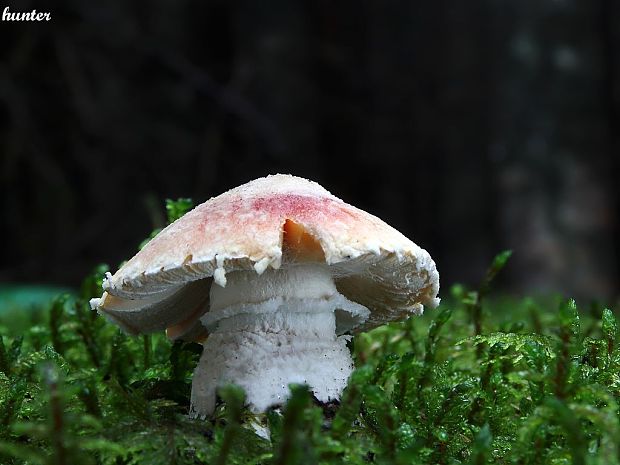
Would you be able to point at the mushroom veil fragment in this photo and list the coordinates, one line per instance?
(271, 277)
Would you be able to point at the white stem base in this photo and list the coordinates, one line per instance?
(263, 353)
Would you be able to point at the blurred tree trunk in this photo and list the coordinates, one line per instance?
(426, 69)
(609, 23)
(552, 145)
(273, 70)
(469, 201)
(403, 117)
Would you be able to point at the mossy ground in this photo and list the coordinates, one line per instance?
(475, 381)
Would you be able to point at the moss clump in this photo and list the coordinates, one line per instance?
(472, 382)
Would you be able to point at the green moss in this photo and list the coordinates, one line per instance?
(475, 381)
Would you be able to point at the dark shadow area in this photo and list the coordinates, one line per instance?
(471, 127)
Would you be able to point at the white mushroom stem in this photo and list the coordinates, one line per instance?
(265, 353)
(272, 330)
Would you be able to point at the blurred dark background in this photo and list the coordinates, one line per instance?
(470, 126)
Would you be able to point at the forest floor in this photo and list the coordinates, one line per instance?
(478, 380)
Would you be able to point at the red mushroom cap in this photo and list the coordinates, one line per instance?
(268, 222)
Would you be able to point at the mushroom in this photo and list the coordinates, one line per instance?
(271, 276)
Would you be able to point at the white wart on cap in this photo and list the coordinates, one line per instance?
(272, 271)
